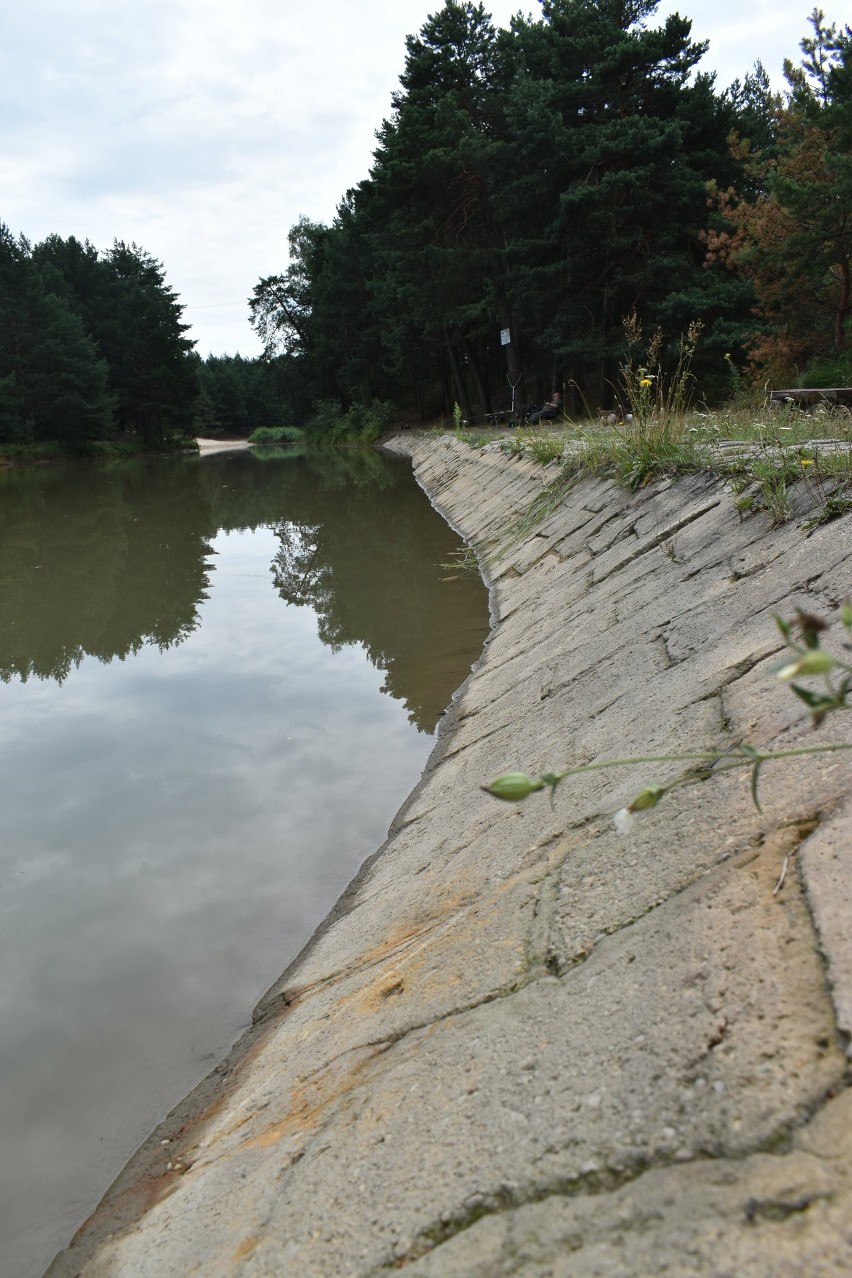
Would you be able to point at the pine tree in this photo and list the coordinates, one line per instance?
(134, 318)
(789, 224)
(140, 332)
(55, 385)
(437, 248)
(614, 146)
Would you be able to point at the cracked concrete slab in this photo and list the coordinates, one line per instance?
(523, 1043)
(825, 868)
(784, 1213)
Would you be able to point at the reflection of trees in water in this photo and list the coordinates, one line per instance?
(101, 562)
(301, 576)
(98, 563)
(373, 575)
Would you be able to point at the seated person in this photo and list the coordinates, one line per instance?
(548, 410)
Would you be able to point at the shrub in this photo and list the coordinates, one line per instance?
(545, 448)
(832, 371)
(276, 435)
(360, 423)
(658, 402)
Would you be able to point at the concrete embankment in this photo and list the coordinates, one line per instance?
(524, 1044)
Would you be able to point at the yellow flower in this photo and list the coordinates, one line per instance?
(646, 381)
(806, 461)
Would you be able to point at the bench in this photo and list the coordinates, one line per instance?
(829, 396)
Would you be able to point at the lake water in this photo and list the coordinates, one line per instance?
(219, 678)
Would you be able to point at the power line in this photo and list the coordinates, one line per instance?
(211, 306)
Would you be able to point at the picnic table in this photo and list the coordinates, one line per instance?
(830, 396)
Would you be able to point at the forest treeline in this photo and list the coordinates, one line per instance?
(530, 189)
(544, 182)
(93, 349)
(92, 345)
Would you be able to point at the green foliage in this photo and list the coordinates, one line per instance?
(364, 423)
(804, 639)
(545, 448)
(53, 381)
(613, 155)
(513, 446)
(761, 455)
(236, 394)
(31, 454)
(651, 434)
(360, 423)
(548, 179)
(277, 435)
(122, 450)
(462, 563)
(773, 475)
(658, 401)
(326, 418)
(837, 504)
(475, 438)
(543, 180)
(90, 344)
(134, 319)
(787, 225)
(833, 370)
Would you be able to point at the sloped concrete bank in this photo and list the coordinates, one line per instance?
(524, 1044)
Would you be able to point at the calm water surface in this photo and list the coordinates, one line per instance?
(218, 680)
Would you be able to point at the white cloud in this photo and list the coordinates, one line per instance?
(202, 129)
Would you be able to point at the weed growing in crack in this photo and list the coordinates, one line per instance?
(652, 434)
(546, 448)
(542, 448)
(542, 505)
(513, 446)
(763, 480)
(774, 496)
(808, 659)
(462, 563)
(458, 420)
(833, 507)
(827, 482)
(475, 438)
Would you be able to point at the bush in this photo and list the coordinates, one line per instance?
(832, 371)
(366, 422)
(277, 435)
(325, 419)
(546, 448)
(361, 423)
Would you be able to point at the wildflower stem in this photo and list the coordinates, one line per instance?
(712, 756)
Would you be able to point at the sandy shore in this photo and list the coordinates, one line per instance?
(221, 445)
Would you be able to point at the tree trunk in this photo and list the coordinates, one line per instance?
(842, 309)
(473, 365)
(458, 381)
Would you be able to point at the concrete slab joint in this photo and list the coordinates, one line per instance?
(524, 1044)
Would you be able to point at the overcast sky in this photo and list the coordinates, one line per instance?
(203, 129)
